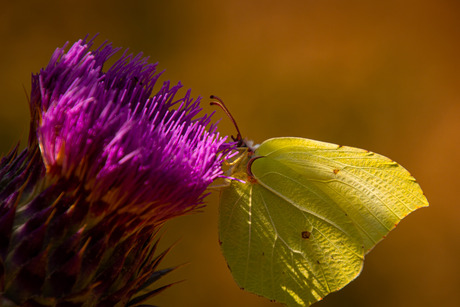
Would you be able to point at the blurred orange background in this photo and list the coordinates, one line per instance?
(380, 75)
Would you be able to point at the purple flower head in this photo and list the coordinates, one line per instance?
(106, 165)
(136, 153)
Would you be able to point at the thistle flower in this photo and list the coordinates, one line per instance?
(105, 166)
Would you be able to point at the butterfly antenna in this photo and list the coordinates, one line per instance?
(221, 104)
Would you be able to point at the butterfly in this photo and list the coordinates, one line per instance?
(300, 215)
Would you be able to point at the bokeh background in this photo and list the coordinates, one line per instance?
(380, 75)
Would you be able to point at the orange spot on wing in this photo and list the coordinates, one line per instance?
(306, 234)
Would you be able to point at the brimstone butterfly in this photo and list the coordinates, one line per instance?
(300, 215)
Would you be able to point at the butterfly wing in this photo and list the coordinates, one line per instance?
(299, 227)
